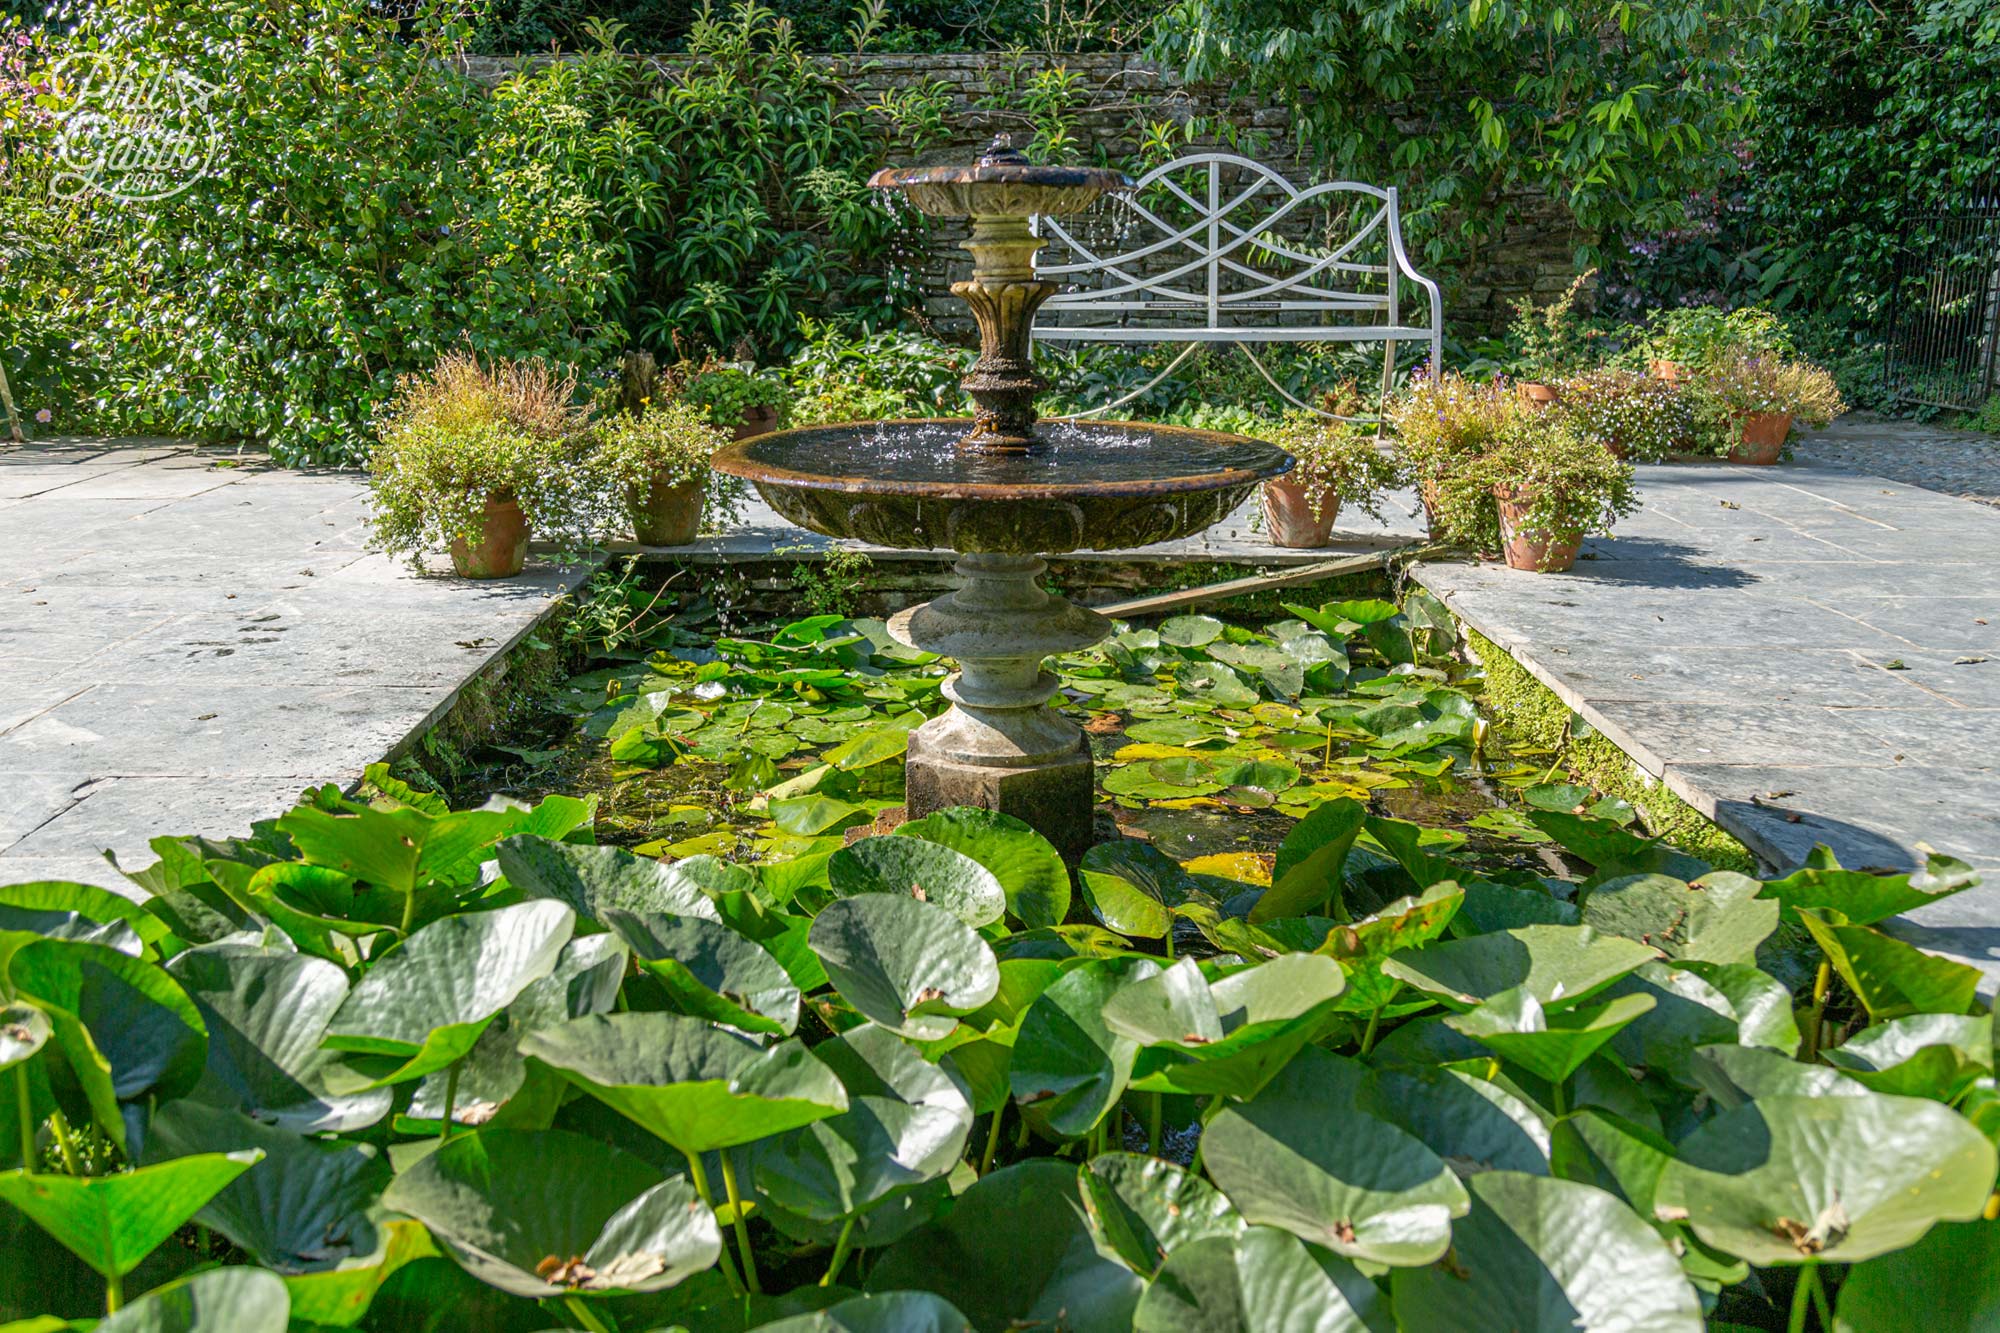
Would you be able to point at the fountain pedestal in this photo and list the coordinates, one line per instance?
(1000, 746)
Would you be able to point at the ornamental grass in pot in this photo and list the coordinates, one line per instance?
(1444, 424)
(474, 457)
(657, 461)
(1634, 416)
(1552, 487)
(1745, 408)
(1337, 463)
(1554, 344)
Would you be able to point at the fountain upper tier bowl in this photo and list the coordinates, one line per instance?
(1001, 184)
(1097, 485)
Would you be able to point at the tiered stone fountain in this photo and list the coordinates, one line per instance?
(1003, 489)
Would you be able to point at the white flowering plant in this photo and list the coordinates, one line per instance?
(1570, 485)
(466, 431)
(1338, 461)
(1634, 416)
(1444, 424)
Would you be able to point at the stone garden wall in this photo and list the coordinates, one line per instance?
(1116, 98)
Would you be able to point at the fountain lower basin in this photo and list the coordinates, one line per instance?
(1109, 485)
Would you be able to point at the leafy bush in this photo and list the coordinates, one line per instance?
(373, 209)
(1553, 340)
(729, 393)
(1338, 461)
(669, 442)
(1444, 424)
(468, 430)
(843, 374)
(1569, 484)
(1702, 336)
(1632, 415)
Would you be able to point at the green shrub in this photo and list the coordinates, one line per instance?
(1634, 415)
(728, 393)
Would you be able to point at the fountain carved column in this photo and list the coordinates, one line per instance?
(1004, 294)
(1000, 746)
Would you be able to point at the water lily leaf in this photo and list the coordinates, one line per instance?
(1557, 965)
(426, 1002)
(878, 1312)
(908, 965)
(1261, 1279)
(1069, 1067)
(1405, 843)
(124, 1027)
(1228, 1038)
(1190, 631)
(592, 880)
(1790, 1179)
(814, 814)
(694, 1085)
(1305, 1155)
(1925, 1055)
(222, 1300)
(916, 868)
(1178, 731)
(1030, 870)
(494, 1085)
(1954, 1270)
(266, 1014)
(1362, 947)
(399, 850)
(1133, 887)
(23, 1031)
(1718, 919)
(1214, 683)
(546, 1213)
(1515, 1027)
(1473, 1124)
(1702, 1004)
(1142, 1209)
(112, 1222)
(1519, 1260)
(1889, 977)
(1310, 861)
(91, 904)
(906, 1124)
(649, 745)
(1861, 898)
(876, 745)
(1016, 1251)
(1734, 1075)
(711, 971)
(1490, 907)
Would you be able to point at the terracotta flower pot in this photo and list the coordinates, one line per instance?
(1670, 372)
(1542, 555)
(759, 420)
(1761, 437)
(665, 514)
(1288, 515)
(503, 543)
(1541, 397)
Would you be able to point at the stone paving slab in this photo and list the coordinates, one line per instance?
(189, 637)
(1806, 654)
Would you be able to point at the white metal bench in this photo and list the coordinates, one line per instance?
(1199, 255)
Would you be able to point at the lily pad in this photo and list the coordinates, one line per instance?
(1702, 1004)
(711, 971)
(906, 1124)
(113, 1222)
(1262, 1279)
(1228, 1038)
(1133, 887)
(223, 1300)
(1890, 978)
(907, 965)
(1473, 1124)
(592, 880)
(694, 1085)
(1190, 631)
(1030, 870)
(23, 1030)
(883, 1312)
(1791, 1180)
(1069, 1068)
(1305, 1155)
(1515, 1027)
(1016, 1251)
(1311, 861)
(1718, 919)
(929, 872)
(1557, 965)
(1537, 1252)
(266, 1014)
(425, 1003)
(1925, 1055)
(1954, 1270)
(545, 1213)
(1142, 1209)
(1861, 898)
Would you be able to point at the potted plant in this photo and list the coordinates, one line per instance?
(1554, 344)
(1443, 424)
(1552, 487)
(1337, 462)
(1632, 415)
(1680, 343)
(474, 457)
(657, 460)
(1745, 408)
(739, 400)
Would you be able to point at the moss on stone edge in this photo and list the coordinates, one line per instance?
(1527, 710)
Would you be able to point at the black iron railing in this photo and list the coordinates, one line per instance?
(1944, 329)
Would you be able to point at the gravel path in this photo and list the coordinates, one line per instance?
(1954, 462)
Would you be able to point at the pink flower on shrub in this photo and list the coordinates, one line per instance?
(45, 416)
